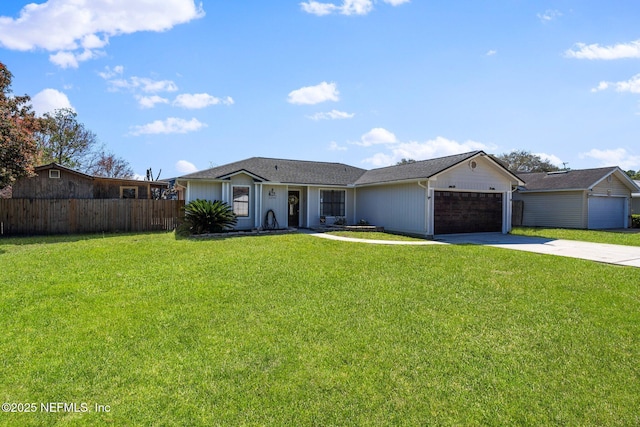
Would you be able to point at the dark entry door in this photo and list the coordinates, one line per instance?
(294, 208)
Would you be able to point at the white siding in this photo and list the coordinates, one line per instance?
(276, 201)
(312, 206)
(399, 207)
(615, 187)
(566, 209)
(204, 190)
(486, 177)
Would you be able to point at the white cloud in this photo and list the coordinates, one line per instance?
(551, 158)
(433, 148)
(595, 51)
(75, 29)
(331, 115)
(376, 136)
(310, 95)
(491, 52)
(396, 2)
(380, 160)
(200, 100)
(168, 126)
(318, 9)
(110, 73)
(143, 84)
(49, 100)
(616, 157)
(348, 7)
(549, 15)
(151, 101)
(185, 167)
(632, 85)
(333, 146)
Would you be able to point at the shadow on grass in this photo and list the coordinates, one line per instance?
(231, 234)
(67, 238)
(492, 239)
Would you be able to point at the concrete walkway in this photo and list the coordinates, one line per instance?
(375, 242)
(601, 252)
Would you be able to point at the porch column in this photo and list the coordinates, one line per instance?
(429, 209)
(507, 209)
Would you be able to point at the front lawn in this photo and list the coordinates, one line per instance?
(297, 330)
(629, 238)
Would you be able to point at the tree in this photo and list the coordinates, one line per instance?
(633, 174)
(64, 140)
(405, 161)
(525, 161)
(17, 126)
(109, 166)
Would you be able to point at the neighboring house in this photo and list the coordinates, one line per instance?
(635, 201)
(588, 198)
(468, 192)
(54, 181)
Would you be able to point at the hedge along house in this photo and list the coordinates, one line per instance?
(468, 192)
(588, 198)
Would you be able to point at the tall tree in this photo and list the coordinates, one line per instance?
(525, 161)
(66, 141)
(108, 165)
(17, 126)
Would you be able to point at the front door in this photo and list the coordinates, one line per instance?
(294, 208)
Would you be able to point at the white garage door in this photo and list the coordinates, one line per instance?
(606, 212)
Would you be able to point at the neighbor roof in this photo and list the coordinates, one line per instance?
(285, 171)
(581, 179)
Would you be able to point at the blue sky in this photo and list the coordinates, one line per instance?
(181, 86)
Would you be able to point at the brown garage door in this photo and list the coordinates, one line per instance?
(462, 212)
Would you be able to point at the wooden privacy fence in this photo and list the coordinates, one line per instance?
(72, 216)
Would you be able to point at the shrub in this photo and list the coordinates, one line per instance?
(635, 221)
(340, 220)
(204, 216)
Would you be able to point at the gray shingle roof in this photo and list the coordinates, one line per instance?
(417, 170)
(581, 179)
(286, 171)
(323, 173)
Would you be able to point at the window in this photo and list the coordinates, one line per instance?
(54, 173)
(128, 192)
(332, 202)
(241, 201)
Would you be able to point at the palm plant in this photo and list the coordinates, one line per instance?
(204, 216)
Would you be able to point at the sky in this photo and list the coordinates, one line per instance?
(179, 86)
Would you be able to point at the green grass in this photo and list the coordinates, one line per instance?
(374, 235)
(612, 237)
(297, 330)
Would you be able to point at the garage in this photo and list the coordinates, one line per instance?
(606, 212)
(467, 212)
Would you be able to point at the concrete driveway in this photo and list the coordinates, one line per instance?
(611, 254)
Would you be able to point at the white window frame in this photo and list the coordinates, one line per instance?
(345, 202)
(54, 173)
(233, 202)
